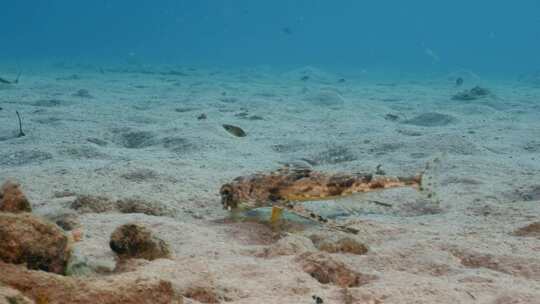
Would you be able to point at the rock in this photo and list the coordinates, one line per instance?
(342, 245)
(431, 119)
(77, 235)
(184, 109)
(99, 204)
(9, 295)
(137, 205)
(391, 117)
(322, 267)
(12, 199)
(472, 94)
(66, 221)
(25, 238)
(80, 264)
(202, 294)
(129, 265)
(92, 204)
(531, 230)
(358, 296)
(136, 241)
(51, 288)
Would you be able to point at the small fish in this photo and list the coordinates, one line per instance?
(234, 130)
(434, 57)
(317, 299)
(459, 82)
(391, 117)
(287, 30)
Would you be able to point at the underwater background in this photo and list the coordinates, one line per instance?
(492, 36)
(276, 152)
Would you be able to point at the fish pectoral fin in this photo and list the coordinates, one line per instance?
(277, 213)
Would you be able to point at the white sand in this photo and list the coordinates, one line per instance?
(488, 154)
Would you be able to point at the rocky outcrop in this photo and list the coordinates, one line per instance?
(136, 241)
(100, 204)
(531, 230)
(9, 295)
(30, 240)
(12, 199)
(45, 287)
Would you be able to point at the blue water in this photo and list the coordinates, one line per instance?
(487, 36)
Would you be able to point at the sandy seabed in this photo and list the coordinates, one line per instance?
(137, 133)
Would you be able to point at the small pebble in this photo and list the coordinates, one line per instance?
(391, 117)
(182, 110)
(82, 93)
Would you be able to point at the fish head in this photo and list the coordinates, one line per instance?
(229, 199)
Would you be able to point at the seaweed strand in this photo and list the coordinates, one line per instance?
(5, 81)
(21, 133)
